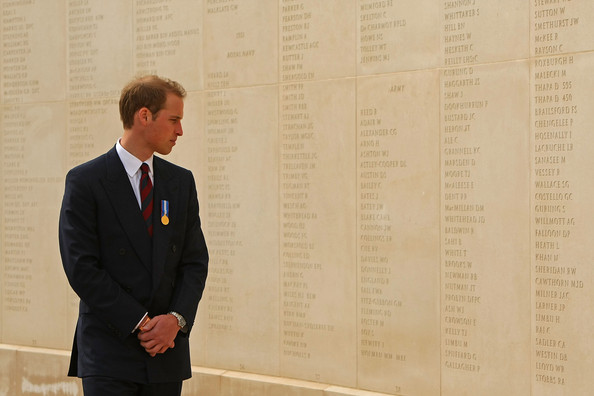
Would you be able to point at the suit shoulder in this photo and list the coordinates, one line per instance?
(87, 167)
(171, 167)
(94, 167)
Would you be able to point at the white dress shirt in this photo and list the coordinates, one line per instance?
(132, 166)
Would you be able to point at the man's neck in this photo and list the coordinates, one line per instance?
(128, 142)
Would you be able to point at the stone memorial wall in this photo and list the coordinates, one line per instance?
(396, 195)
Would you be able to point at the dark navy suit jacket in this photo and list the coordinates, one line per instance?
(120, 272)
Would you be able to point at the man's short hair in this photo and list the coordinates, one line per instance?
(147, 91)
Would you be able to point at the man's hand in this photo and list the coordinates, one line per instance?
(158, 334)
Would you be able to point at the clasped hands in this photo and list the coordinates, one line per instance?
(156, 335)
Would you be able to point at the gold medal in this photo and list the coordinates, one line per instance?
(164, 212)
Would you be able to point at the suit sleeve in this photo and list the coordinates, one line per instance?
(81, 258)
(193, 268)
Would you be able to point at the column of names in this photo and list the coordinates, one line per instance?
(29, 250)
(83, 24)
(311, 212)
(296, 41)
(458, 44)
(397, 203)
(377, 164)
(462, 216)
(558, 279)
(377, 25)
(298, 161)
(221, 208)
(16, 230)
(17, 31)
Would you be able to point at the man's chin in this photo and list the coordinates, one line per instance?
(165, 151)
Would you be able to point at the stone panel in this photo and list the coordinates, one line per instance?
(33, 169)
(485, 230)
(398, 233)
(317, 231)
(239, 311)
(561, 221)
(560, 89)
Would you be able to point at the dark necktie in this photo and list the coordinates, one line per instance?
(146, 197)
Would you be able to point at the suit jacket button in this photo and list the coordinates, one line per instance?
(122, 252)
(173, 248)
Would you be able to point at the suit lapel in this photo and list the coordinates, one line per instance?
(165, 189)
(118, 188)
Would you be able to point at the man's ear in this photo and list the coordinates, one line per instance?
(144, 114)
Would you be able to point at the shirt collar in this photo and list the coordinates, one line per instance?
(130, 162)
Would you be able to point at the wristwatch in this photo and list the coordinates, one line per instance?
(181, 322)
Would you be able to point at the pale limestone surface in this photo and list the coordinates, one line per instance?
(396, 195)
(33, 71)
(240, 43)
(485, 226)
(398, 163)
(308, 48)
(35, 371)
(562, 271)
(30, 283)
(98, 44)
(317, 235)
(484, 32)
(239, 212)
(168, 39)
(395, 36)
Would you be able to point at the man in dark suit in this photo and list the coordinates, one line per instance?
(133, 250)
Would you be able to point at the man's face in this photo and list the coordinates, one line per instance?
(165, 127)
